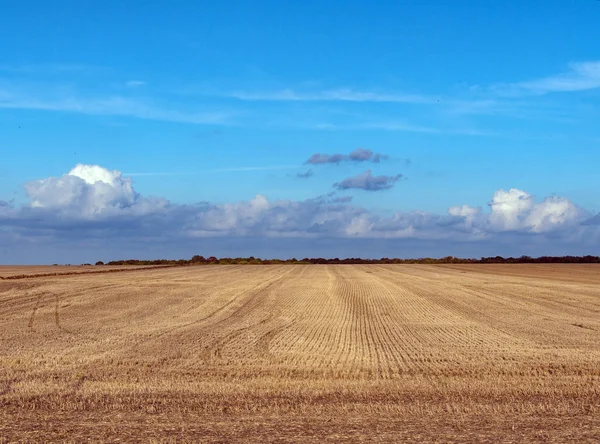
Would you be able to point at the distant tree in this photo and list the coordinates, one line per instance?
(357, 260)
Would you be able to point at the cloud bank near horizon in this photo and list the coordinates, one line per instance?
(93, 202)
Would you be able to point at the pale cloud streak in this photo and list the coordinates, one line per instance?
(333, 95)
(111, 105)
(499, 100)
(580, 76)
(495, 100)
(52, 68)
(135, 83)
(403, 126)
(239, 169)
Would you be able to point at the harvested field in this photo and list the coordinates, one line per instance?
(20, 272)
(304, 353)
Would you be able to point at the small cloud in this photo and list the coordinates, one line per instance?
(305, 175)
(342, 199)
(366, 181)
(358, 155)
(317, 159)
(363, 155)
(135, 83)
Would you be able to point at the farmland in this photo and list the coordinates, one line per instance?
(305, 353)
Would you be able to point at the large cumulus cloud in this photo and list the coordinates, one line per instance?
(88, 189)
(517, 210)
(88, 192)
(94, 202)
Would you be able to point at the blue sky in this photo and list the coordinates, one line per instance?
(205, 105)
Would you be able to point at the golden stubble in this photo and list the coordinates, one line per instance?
(385, 349)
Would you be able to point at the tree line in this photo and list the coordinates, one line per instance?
(212, 260)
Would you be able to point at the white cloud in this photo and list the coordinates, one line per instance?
(508, 208)
(360, 225)
(517, 210)
(231, 217)
(464, 211)
(92, 174)
(551, 213)
(470, 214)
(89, 192)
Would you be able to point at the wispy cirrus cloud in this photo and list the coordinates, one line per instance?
(442, 117)
(368, 123)
(52, 68)
(464, 104)
(19, 97)
(47, 96)
(580, 76)
(239, 169)
(332, 95)
(403, 126)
